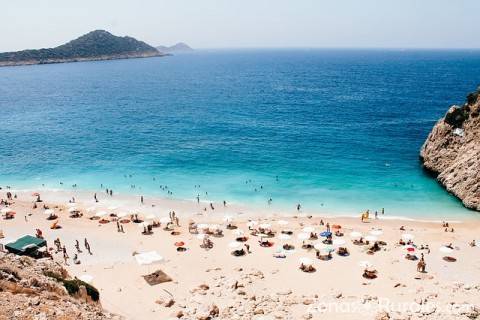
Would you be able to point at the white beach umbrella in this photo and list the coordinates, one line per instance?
(101, 213)
(376, 232)
(305, 261)
(252, 223)
(445, 249)
(407, 236)
(303, 236)
(265, 226)
(284, 237)
(282, 222)
(214, 227)
(72, 209)
(371, 238)
(6, 210)
(91, 209)
(71, 204)
(308, 229)
(201, 236)
(355, 235)
(112, 208)
(49, 211)
(239, 232)
(338, 242)
(143, 225)
(234, 244)
(227, 218)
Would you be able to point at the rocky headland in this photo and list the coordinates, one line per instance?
(452, 151)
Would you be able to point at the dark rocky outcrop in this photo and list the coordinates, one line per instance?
(452, 151)
(95, 45)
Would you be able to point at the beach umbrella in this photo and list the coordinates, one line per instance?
(407, 236)
(72, 209)
(122, 214)
(338, 242)
(112, 208)
(91, 209)
(71, 204)
(325, 234)
(265, 226)
(376, 232)
(371, 238)
(239, 232)
(355, 235)
(336, 227)
(214, 227)
(234, 244)
(303, 236)
(308, 229)
(282, 222)
(251, 224)
(201, 236)
(6, 210)
(305, 261)
(167, 220)
(49, 211)
(284, 237)
(143, 225)
(228, 218)
(35, 194)
(445, 249)
(101, 213)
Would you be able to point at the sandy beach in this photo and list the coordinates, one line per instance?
(208, 284)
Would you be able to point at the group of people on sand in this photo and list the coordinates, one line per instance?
(62, 248)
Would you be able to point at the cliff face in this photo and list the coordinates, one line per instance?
(452, 151)
(32, 289)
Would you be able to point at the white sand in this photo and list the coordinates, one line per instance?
(118, 277)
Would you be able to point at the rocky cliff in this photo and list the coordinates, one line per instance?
(452, 151)
(41, 289)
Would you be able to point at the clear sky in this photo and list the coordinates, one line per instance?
(246, 23)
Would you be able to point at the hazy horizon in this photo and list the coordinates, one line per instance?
(221, 24)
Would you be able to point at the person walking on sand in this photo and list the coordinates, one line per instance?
(328, 227)
(141, 199)
(77, 246)
(95, 197)
(376, 215)
(87, 246)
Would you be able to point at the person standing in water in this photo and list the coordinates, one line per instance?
(141, 199)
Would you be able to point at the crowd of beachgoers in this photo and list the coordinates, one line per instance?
(113, 241)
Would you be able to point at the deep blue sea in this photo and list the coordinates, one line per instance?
(338, 131)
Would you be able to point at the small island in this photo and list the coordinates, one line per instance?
(176, 48)
(95, 45)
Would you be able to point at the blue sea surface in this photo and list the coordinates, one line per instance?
(338, 131)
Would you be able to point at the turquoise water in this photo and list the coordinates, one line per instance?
(341, 129)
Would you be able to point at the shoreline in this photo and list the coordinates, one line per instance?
(255, 209)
